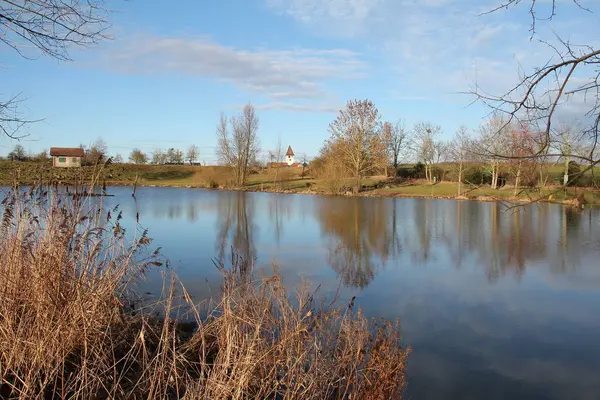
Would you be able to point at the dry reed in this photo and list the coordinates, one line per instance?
(69, 327)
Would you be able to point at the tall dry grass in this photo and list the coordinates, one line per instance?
(69, 327)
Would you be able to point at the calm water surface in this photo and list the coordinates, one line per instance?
(495, 304)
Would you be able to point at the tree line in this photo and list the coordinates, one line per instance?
(97, 153)
(361, 144)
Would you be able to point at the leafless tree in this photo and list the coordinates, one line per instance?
(275, 158)
(46, 27)
(174, 156)
(304, 160)
(569, 77)
(192, 154)
(459, 151)
(397, 134)
(492, 146)
(138, 157)
(240, 148)
(357, 139)
(569, 141)
(96, 153)
(159, 157)
(425, 137)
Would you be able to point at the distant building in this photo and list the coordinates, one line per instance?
(66, 156)
(289, 161)
(289, 156)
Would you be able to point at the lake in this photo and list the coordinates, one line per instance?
(494, 303)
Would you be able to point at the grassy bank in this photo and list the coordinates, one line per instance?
(71, 325)
(282, 180)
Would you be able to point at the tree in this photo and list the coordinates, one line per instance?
(358, 140)
(46, 27)
(18, 154)
(492, 145)
(567, 82)
(459, 150)
(118, 159)
(397, 135)
(174, 156)
(276, 156)
(138, 157)
(159, 157)
(569, 141)
(40, 157)
(424, 136)
(521, 148)
(239, 149)
(192, 154)
(96, 153)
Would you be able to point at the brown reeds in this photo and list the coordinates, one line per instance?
(70, 328)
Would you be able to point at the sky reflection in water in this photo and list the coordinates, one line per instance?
(495, 303)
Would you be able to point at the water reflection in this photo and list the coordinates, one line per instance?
(495, 303)
(361, 235)
(235, 226)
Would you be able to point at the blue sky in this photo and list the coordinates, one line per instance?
(171, 69)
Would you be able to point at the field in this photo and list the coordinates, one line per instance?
(280, 180)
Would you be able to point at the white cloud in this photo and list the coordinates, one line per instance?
(431, 47)
(297, 107)
(278, 74)
(342, 17)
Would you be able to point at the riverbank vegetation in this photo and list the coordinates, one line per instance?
(72, 324)
(409, 182)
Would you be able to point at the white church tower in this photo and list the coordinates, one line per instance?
(289, 156)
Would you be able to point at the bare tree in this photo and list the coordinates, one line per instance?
(569, 76)
(192, 154)
(459, 151)
(569, 140)
(276, 157)
(138, 157)
(118, 159)
(492, 145)
(47, 27)
(174, 156)
(96, 153)
(304, 162)
(240, 148)
(357, 139)
(159, 157)
(397, 134)
(424, 137)
(18, 154)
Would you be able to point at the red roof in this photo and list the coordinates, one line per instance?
(290, 152)
(66, 152)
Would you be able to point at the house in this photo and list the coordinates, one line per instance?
(66, 156)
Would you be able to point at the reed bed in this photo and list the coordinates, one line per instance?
(72, 326)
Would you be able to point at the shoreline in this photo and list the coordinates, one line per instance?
(482, 198)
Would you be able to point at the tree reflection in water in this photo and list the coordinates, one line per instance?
(360, 235)
(235, 226)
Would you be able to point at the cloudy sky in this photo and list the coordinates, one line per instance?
(172, 67)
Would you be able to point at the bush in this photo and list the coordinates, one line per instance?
(477, 175)
(167, 174)
(574, 170)
(419, 170)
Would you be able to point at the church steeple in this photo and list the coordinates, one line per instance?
(289, 156)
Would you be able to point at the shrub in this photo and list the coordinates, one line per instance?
(574, 170)
(477, 175)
